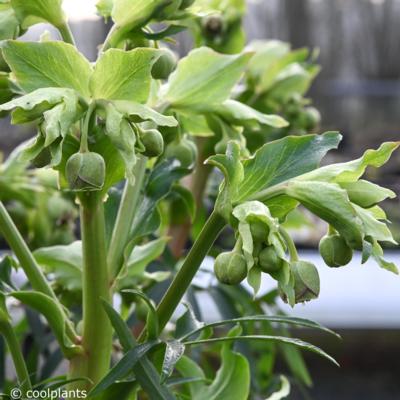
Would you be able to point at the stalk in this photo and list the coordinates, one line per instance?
(125, 217)
(66, 34)
(18, 359)
(185, 275)
(97, 332)
(28, 263)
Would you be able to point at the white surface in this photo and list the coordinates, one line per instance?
(354, 296)
(78, 9)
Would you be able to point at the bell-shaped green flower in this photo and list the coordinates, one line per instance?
(85, 171)
(153, 142)
(306, 281)
(335, 251)
(230, 268)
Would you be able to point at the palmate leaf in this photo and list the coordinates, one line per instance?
(240, 114)
(30, 12)
(204, 79)
(123, 75)
(282, 160)
(48, 64)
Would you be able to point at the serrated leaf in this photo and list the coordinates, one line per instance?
(240, 114)
(31, 12)
(123, 75)
(366, 194)
(53, 313)
(48, 64)
(174, 350)
(204, 78)
(331, 203)
(351, 171)
(282, 160)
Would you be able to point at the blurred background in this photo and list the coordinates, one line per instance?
(357, 93)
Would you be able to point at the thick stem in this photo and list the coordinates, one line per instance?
(28, 262)
(185, 275)
(97, 332)
(18, 359)
(66, 34)
(125, 217)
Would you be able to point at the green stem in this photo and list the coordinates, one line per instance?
(97, 332)
(21, 370)
(28, 263)
(185, 275)
(84, 147)
(290, 244)
(66, 34)
(125, 217)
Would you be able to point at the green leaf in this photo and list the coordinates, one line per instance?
(122, 330)
(372, 227)
(278, 339)
(123, 367)
(123, 75)
(232, 380)
(331, 203)
(240, 114)
(204, 78)
(281, 160)
(104, 7)
(136, 112)
(31, 12)
(9, 24)
(377, 254)
(48, 64)
(170, 30)
(351, 171)
(142, 256)
(173, 352)
(123, 137)
(134, 13)
(46, 306)
(32, 106)
(366, 194)
(64, 262)
(233, 171)
(283, 392)
(187, 324)
(261, 318)
(191, 370)
(152, 318)
(145, 372)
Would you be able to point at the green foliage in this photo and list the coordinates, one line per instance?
(173, 130)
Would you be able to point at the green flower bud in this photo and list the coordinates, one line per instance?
(186, 4)
(230, 268)
(259, 231)
(184, 151)
(165, 65)
(335, 251)
(306, 278)
(153, 142)
(213, 25)
(269, 261)
(85, 171)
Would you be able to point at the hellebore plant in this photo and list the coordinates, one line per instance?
(139, 116)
